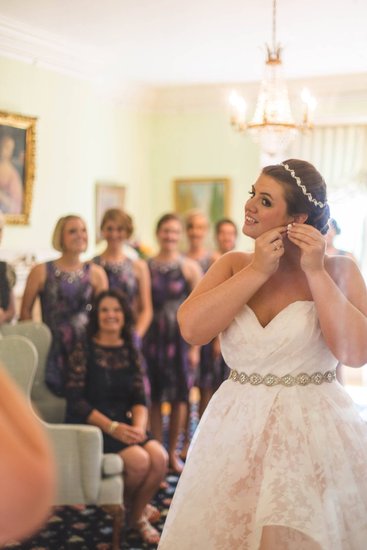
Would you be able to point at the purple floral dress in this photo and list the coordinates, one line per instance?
(121, 276)
(65, 303)
(7, 281)
(165, 350)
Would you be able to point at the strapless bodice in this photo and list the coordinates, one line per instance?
(290, 344)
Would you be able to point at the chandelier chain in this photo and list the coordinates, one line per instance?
(274, 25)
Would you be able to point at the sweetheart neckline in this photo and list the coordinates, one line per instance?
(279, 312)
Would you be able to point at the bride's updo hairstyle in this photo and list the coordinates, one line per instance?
(304, 191)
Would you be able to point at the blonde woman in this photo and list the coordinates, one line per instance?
(66, 287)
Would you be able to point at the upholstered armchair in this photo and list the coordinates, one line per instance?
(85, 474)
(19, 357)
(49, 407)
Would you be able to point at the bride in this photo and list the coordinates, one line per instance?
(279, 460)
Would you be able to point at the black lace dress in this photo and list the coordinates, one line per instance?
(106, 378)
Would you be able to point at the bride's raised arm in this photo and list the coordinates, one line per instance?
(220, 295)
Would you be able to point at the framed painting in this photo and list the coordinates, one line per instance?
(108, 195)
(211, 195)
(17, 166)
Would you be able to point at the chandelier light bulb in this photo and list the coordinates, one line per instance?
(312, 103)
(272, 125)
(309, 107)
(238, 110)
(305, 95)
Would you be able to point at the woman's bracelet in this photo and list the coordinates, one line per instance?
(113, 426)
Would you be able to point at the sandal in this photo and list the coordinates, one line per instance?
(147, 532)
(152, 513)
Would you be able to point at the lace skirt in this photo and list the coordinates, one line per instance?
(273, 468)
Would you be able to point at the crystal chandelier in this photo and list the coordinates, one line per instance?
(272, 125)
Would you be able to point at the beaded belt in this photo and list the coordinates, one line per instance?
(301, 379)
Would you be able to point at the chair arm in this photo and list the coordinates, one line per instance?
(112, 464)
(78, 455)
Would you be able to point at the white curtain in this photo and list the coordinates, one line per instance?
(340, 154)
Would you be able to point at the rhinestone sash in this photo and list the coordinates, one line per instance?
(302, 379)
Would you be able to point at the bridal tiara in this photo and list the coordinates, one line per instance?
(302, 187)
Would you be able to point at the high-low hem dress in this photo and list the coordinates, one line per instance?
(285, 464)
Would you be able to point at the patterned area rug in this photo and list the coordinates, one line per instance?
(91, 528)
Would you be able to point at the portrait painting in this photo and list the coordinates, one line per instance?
(17, 166)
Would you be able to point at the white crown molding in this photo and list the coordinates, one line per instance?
(38, 47)
(47, 50)
(209, 98)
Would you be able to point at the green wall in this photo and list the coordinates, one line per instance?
(81, 139)
(201, 145)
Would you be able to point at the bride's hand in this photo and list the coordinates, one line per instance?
(311, 243)
(268, 251)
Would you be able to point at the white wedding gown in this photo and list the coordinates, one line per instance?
(288, 464)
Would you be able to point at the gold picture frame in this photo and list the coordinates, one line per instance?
(17, 166)
(211, 195)
(108, 195)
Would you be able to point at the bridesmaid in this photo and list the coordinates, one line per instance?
(125, 274)
(208, 379)
(168, 356)
(66, 287)
(130, 276)
(197, 229)
(226, 233)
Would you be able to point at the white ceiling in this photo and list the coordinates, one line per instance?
(174, 42)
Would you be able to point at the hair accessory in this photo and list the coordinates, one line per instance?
(302, 187)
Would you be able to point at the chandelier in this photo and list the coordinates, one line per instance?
(272, 125)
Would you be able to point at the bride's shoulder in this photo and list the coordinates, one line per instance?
(340, 265)
(343, 270)
(236, 260)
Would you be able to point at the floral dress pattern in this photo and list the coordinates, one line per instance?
(7, 282)
(121, 276)
(65, 303)
(165, 350)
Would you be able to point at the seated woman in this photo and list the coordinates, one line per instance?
(105, 388)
